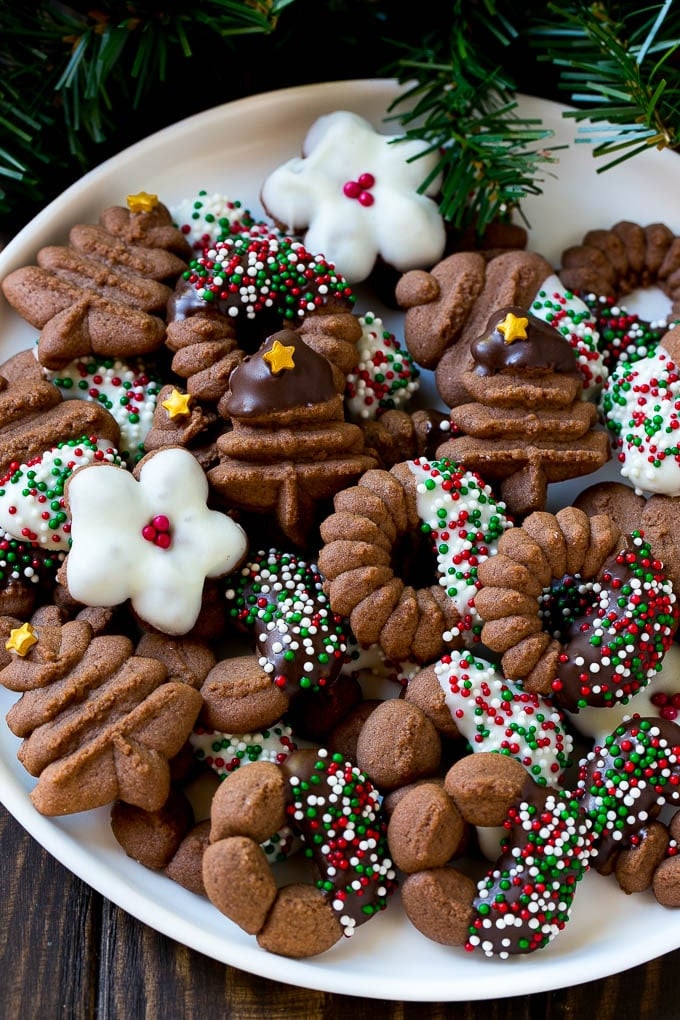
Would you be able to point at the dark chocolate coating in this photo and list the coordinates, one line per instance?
(543, 350)
(255, 389)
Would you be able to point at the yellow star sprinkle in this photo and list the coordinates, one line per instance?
(177, 404)
(513, 327)
(280, 357)
(142, 202)
(21, 639)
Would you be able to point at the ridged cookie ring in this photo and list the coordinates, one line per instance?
(425, 606)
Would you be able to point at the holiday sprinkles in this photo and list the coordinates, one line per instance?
(127, 389)
(641, 408)
(525, 900)
(336, 809)
(386, 376)
(279, 598)
(463, 521)
(402, 572)
(32, 504)
(497, 715)
(244, 276)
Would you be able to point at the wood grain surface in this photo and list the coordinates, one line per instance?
(66, 952)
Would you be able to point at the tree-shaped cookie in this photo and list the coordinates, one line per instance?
(244, 288)
(97, 722)
(526, 423)
(104, 292)
(290, 447)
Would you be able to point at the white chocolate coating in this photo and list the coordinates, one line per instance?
(110, 559)
(640, 406)
(308, 193)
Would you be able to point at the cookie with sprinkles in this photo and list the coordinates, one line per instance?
(525, 899)
(625, 782)
(279, 598)
(242, 290)
(616, 641)
(27, 573)
(206, 218)
(408, 578)
(623, 335)
(336, 810)
(573, 318)
(226, 752)
(32, 505)
(127, 388)
(271, 278)
(640, 407)
(331, 805)
(494, 714)
(386, 377)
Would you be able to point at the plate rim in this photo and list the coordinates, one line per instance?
(316, 973)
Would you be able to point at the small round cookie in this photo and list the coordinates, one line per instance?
(426, 829)
(333, 807)
(152, 837)
(398, 745)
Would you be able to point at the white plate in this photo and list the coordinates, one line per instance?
(229, 150)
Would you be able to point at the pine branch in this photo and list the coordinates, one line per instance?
(620, 68)
(464, 107)
(73, 68)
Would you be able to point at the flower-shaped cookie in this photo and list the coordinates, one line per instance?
(152, 540)
(356, 193)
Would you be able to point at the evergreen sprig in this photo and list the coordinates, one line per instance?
(619, 65)
(72, 71)
(462, 104)
(73, 74)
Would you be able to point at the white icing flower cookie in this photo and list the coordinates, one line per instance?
(355, 194)
(153, 540)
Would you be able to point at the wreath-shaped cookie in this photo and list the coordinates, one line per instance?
(576, 609)
(617, 261)
(412, 612)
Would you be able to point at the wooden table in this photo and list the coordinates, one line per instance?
(66, 952)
